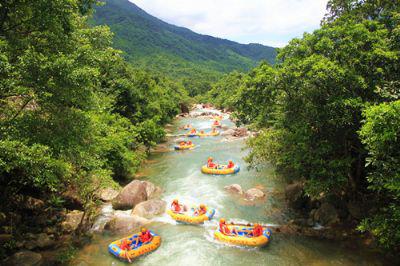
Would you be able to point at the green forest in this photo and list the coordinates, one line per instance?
(328, 112)
(77, 114)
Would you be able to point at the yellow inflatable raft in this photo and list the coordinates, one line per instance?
(184, 147)
(190, 219)
(141, 249)
(241, 239)
(221, 170)
(209, 134)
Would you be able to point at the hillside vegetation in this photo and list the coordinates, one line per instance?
(176, 52)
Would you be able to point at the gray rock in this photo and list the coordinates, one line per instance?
(44, 241)
(150, 208)
(254, 194)
(326, 214)
(152, 190)
(24, 258)
(107, 194)
(234, 188)
(295, 195)
(125, 224)
(132, 194)
(135, 192)
(240, 132)
(72, 221)
(228, 132)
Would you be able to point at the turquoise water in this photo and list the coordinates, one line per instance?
(178, 173)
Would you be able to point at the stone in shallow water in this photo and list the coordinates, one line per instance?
(150, 208)
(125, 224)
(234, 188)
(135, 192)
(254, 194)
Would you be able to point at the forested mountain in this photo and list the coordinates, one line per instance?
(176, 51)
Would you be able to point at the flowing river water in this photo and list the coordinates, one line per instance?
(178, 173)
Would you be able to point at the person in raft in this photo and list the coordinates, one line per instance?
(189, 143)
(126, 246)
(176, 207)
(201, 210)
(144, 237)
(230, 164)
(202, 132)
(182, 143)
(214, 130)
(193, 131)
(257, 231)
(223, 228)
(211, 164)
(216, 123)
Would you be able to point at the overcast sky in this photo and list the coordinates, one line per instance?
(269, 22)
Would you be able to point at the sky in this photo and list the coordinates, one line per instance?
(269, 22)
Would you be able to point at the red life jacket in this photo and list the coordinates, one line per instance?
(224, 229)
(231, 165)
(210, 164)
(176, 207)
(257, 231)
(145, 237)
(124, 245)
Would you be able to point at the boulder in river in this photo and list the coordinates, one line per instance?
(295, 195)
(107, 194)
(132, 194)
(24, 258)
(150, 208)
(234, 188)
(254, 194)
(228, 132)
(125, 224)
(240, 132)
(72, 221)
(326, 214)
(152, 191)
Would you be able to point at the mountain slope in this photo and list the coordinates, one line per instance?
(176, 51)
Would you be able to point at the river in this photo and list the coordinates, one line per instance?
(178, 173)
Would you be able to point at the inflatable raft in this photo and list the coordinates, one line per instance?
(191, 135)
(241, 239)
(221, 170)
(184, 147)
(209, 134)
(191, 219)
(141, 249)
